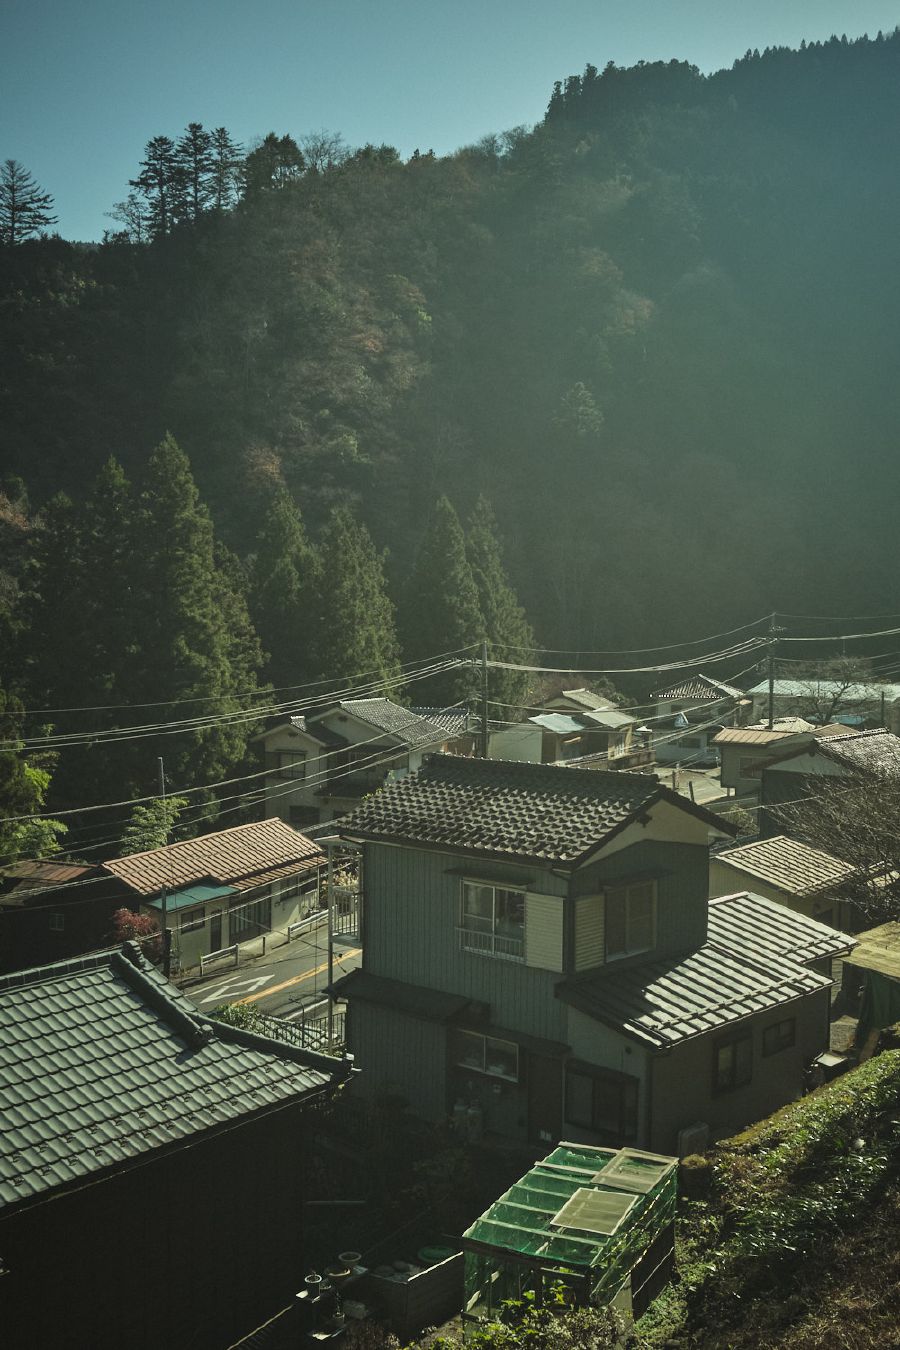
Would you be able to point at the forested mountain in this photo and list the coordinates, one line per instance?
(657, 333)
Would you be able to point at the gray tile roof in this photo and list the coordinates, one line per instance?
(103, 1062)
(496, 807)
(876, 751)
(261, 850)
(700, 687)
(796, 868)
(389, 717)
(662, 1003)
(454, 721)
(753, 926)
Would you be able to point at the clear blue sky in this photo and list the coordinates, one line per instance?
(85, 83)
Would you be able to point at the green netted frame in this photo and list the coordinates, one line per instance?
(513, 1250)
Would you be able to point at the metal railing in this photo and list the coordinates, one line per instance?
(492, 944)
(302, 926)
(211, 957)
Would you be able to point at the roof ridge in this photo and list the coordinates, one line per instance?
(196, 839)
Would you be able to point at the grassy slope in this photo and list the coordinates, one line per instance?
(797, 1241)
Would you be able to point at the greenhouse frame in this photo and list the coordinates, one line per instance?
(580, 1226)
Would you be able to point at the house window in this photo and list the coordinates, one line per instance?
(488, 1055)
(732, 1063)
(779, 1036)
(286, 763)
(57, 922)
(192, 919)
(492, 921)
(605, 1103)
(749, 766)
(250, 919)
(630, 919)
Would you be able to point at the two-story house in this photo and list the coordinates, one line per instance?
(320, 765)
(536, 951)
(690, 714)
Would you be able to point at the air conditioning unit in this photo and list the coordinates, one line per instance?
(693, 1138)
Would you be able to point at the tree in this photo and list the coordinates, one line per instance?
(134, 217)
(283, 581)
(834, 686)
(355, 628)
(162, 184)
(441, 612)
(323, 150)
(24, 209)
(194, 156)
(853, 817)
(150, 825)
(197, 642)
(226, 169)
(507, 629)
(273, 164)
(23, 791)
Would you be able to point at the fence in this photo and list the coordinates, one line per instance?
(301, 926)
(211, 957)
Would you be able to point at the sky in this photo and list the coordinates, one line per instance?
(84, 84)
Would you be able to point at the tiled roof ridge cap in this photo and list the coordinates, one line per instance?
(134, 968)
(761, 845)
(525, 768)
(865, 734)
(16, 979)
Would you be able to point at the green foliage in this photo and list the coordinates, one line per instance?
(150, 825)
(242, 1015)
(23, 792)
(441, 611)
(545, 1328)
(354, 632)
(509, 634)
(283, 581)
(24, 209)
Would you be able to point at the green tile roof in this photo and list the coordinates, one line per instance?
(192, 895)
(102, 1062)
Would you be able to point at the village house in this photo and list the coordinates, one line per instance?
(688, 717)
(152, 1162)
(231, 887)
(51, 909)
(869, 703)
(319, 766)
(791, 873)
(792, 771)
(743, 751)
(537, 955)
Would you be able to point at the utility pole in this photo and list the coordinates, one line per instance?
(329, 848)
(485, 738)
(166, 935)
(771, 643)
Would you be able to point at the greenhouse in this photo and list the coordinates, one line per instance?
(583, 1225)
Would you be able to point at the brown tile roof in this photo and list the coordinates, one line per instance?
(749, 736)
(229, 856)
(879, 950)
(506, 809)
(798, 869)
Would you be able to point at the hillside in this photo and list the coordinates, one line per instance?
(657, 331)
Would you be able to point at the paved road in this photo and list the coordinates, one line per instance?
(279, 982)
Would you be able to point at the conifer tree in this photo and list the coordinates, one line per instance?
(282, 592)
(506, 627)
(441, 612)
(355, 627)
(226, 169)
(197, 641)
(194, 156)
(162, 184)
(24, 209)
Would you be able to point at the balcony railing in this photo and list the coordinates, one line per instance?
(492, 944)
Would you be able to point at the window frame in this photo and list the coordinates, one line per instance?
(284, 763)
(783, 1041)
(57, 921)
(490, 942)
(192, 920)
(610, 892)
(602, 1083)
(739, 1074)
(483, 1067)
(244, 914)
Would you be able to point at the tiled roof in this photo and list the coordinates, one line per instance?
(869, 692)
(759, 735)
(752, 926)
(389, 717)
(534, 811)
(227, 856)
(610, 718)
(797, 869)
(661, 1003)
(878, 949)
(585, 698)
(104, 1062)
(876, 751)
(699, 686)
(433, 1005)
(454, 721)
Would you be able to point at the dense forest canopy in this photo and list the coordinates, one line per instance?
(656, 333)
